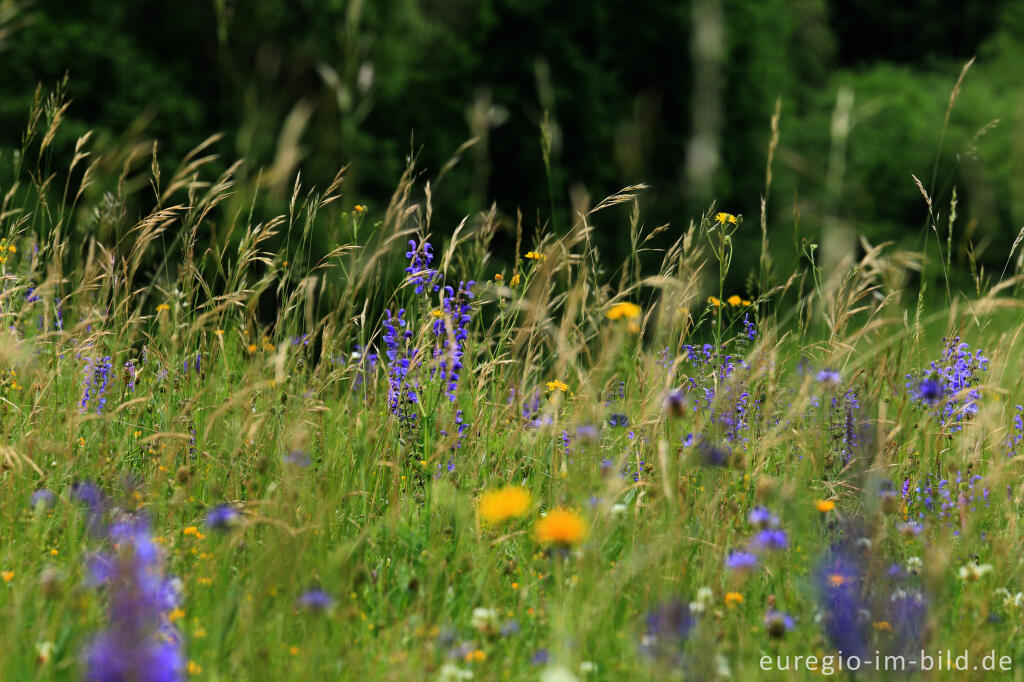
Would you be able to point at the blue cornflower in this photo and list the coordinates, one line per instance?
(741, 561)
(839, 593)
(762, 518)
(618, 420)
(668, 627)
(829, 376)
(42, 499)
(771, 539)
(315, 600)
(222, 517)
(713, 455)
(298, 457)
(777, 623)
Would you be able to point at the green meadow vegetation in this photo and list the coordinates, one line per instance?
(226, 456)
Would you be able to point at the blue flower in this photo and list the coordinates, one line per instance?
(298, 458)
(741, 561)
(618, 420)
(762, 518)
(771, 539)
(222, 517)
(42, 499)
(829, 376)
(315, 600)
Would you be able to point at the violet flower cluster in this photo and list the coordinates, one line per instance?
(949, 387)
(140, 644)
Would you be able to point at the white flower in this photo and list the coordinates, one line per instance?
(914, 564)
(556, 673)
(450, 672)
(722, 668)
(587, 667)
(618, 509)
(484, 620)
(973, 572)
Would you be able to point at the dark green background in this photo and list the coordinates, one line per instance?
(619, 89)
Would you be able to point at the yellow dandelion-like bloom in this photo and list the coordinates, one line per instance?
(745, 303)
(535, 255)
(883, 625)
(499, 277)
(714, 301)
(723, 218)
(560, 526)
(836, 579)
(437, 313)
(194, 668)
(825, 506)
(359, 208)
(515, 280)
(496, 506)
(176, 614)
(8, 576)
(734, 300)
(629, 311)
(162, 307)
(251, 348)
(557, 385)
(733, 598)
(219, 332)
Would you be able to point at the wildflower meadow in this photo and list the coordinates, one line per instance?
(423, 456)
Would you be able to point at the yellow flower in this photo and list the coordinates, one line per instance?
(192, 530)
(251, 348)
(557, 385)
(836, 579)
(437, 313)
(496, 506)
(723, 218)
(627, 310)
(162, 307)
(8, 576)
(745, 303)
(560, 526)
(535, 255)
(219, 332)
(499, 277)
(825, 506)
(714, 301)
(294, 651)
(176, 614)
(194, 668)
(734, 300)
(883, 625)
(476, 655)
(515, 280)
(732, 598)
(359, 208)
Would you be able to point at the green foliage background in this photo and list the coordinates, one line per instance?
(370, 83)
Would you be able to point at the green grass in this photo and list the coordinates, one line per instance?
(384, 518)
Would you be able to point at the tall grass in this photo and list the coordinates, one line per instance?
(249, 365)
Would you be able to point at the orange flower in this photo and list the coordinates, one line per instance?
(825, 506)
(497, 506)
(714, 301)
(560, 526)
(733, 598)
(627, 310)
